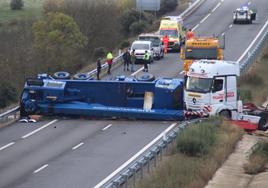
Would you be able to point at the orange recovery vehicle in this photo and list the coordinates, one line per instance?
(201, 48)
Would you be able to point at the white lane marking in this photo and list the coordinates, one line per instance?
(195, 27)
(41, 168)
(133, 74)
(77, 146)
(107, 127)
(230, 26)
(39, 129)
(246, 51)
(222, 0)
(6, 146)
(249, 3)
(217, 6)
(205, 18)
(135, 156)
(222, 34)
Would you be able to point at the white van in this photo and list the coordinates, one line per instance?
(140, 47)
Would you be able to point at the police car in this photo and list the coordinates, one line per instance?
(244, 15)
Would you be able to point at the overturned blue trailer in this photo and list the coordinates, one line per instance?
(120, 99)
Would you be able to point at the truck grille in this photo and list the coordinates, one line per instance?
(191, 105)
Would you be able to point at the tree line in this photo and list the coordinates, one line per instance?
(69, 35)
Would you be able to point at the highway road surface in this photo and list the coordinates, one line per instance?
(72, 153)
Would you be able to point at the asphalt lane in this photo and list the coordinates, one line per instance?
(100, 154)
(49, 152)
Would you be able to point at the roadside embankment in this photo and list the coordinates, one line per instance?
(199, 152)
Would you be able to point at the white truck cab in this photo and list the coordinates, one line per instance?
(212, 85)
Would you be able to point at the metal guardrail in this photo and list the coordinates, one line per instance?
(142, 163)
(105, 65)
(191, 8)
(9, 115)
(254, 54)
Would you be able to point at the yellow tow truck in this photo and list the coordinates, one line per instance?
(200, 48)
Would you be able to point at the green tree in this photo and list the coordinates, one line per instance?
(58, 40)
(16, 4)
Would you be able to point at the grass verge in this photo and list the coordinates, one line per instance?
(199, 152)
(254, 83)
(32, 9)
(258, 159)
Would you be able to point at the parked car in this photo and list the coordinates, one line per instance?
(158, 47)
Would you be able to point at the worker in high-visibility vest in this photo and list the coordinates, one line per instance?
(109, 60)
(189, 34)
(146, 59)
(165, 41)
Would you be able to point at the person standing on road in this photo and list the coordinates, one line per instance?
(133, 59)
(109, 60)
(146, 59)
(189, 34)
(98, 68)
(165, 41)
(126, 59)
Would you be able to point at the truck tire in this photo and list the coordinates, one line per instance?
(262, 125)
(146, 78)
(61, 75)
(226, 114)
(82, 76)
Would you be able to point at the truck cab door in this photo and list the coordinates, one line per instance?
(231, 88)
(218, 95)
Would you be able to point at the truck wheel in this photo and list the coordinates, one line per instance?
(262, 125)
(61, 75)
(225, 114)
(146, 78)
(82, 76)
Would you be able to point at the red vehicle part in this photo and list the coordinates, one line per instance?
(246, 125)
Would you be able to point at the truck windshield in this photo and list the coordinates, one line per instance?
(201, 53)
(201, 85)
(155, 40)
(170, 33)
(138, 46)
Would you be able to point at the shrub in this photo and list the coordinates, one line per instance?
(99, 53)
(8, 94)
(57, 37)
(137, 27)
(52, 5)
(265, 52)
(245, 95)
(127, 18)
(252, 78)
(196, 140)
(130, 21)
(258, 159)
(124, 44)
(168, 5)
(16, 4)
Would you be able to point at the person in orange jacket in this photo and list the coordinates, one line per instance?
(165, 40)
(189, 34)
